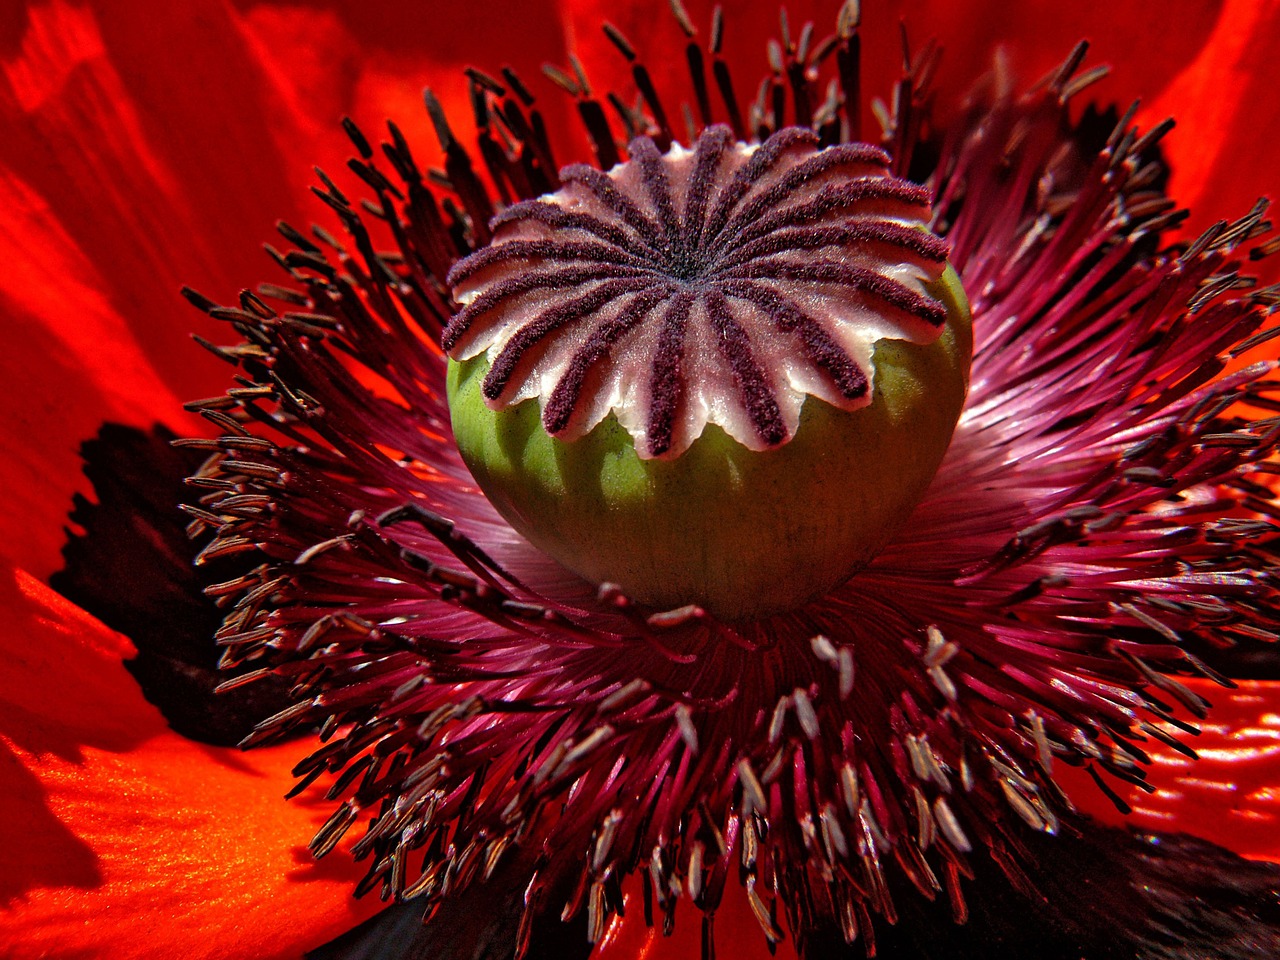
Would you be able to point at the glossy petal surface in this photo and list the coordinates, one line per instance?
(122, 838)
(1231, 795)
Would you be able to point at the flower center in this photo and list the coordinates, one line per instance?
(719, 377)
(722, 284)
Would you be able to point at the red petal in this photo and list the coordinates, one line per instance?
(1133, 39)
(1230, 796)
(1224, 153)
(61, 380)
(104, 211)
(150, 146)
(122, 839)
(134, 130)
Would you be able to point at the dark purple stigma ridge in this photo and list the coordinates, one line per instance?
(666, 384)
(645, 152)
(530, 335)
(757, 395)
(876, 192)
(888, 238)
(548, 214)
(774, 196)
(505, 290)
(606, 191)
(709, 152)
(760, 163)
(817, 345)
(564, 399)
(888, 291)
(542, 249)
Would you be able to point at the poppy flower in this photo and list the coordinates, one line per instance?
(911, 763)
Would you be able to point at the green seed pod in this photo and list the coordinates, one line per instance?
(723, 376)
(741, 533)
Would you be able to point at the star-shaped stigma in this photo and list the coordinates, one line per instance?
(721, 284)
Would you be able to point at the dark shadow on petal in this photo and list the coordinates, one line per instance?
(385, 936)
(132, 569)
(1106, 894)
(1256, 660)
(481, 923)
(39, 850)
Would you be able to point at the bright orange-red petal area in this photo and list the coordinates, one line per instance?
(121, 839)
(1230, 796)
(1226, 105)
(152, 145)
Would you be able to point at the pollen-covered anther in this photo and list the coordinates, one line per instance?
(721, 284)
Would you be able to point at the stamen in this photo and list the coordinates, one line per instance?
(1105, 502)
(720, 70)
